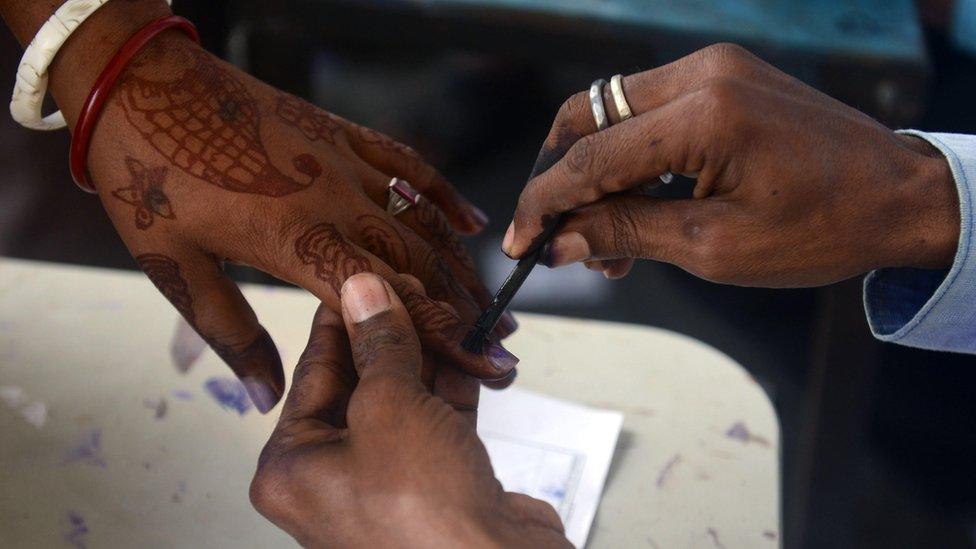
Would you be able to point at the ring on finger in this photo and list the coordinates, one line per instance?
(597, 106)
(402, 196)
(626, 113)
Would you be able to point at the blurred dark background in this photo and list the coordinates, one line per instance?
(878, 446)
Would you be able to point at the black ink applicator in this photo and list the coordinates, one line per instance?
(475, 341)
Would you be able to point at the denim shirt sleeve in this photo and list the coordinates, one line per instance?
(933, 309)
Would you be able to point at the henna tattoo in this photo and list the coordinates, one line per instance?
(308, 165)
(207, 123)
(411, 160)
(314, 123)
(428, 315)
(253, 358)
(333, 258)
(383, 241)
(164, 272)
(435, 223)
(145, 193)
(444, 285)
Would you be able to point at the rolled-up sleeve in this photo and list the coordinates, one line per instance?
(933, 309)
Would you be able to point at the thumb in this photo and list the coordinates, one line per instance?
(382, 337)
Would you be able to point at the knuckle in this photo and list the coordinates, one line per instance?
(573, 106)
(268, 492)
(625, 229)
(727, 58)
(379, 339)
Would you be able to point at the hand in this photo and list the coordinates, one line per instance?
(198, 163)
(793, 188)
(380, 462)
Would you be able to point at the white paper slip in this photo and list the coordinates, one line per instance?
(550, 449)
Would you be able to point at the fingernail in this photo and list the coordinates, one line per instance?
(565, 249)
(364, 296)
(479, 217)
(508, 322)
(262, 395)
(500, 358)
(509, 239)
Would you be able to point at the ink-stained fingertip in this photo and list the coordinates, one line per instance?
(509, 240)
(500, 357)
(262, 395)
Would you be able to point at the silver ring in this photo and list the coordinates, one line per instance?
(402, 196)
(619, 99)
(596, 104)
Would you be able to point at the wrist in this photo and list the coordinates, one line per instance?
(927, 229)
(89, 49)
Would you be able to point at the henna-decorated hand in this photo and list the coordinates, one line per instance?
(197, 163)
(793, 187)
(364, 456)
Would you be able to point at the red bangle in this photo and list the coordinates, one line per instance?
(81, 138)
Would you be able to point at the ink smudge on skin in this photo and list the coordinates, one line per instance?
(186, 346)
(229, 393)
(739, 431)
(159, 407)
(88, 450)
(662, 477)
(78, 530)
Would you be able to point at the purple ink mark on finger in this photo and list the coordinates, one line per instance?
(229, 393)
(739, 431)
(78, 530)
(666, 470)
(186, 346)
(88, 450)
(182, 394)
(159, 407)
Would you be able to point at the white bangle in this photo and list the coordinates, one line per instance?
(31, 82)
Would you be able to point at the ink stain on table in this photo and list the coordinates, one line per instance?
(715, 541)
(88, 450)
(739, 431)
(75, 536)
(182, 394)
(177, 496)
(229, 393)
(769, 534)
(159, 407)
(665, 473)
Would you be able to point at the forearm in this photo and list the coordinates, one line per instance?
(82, 58)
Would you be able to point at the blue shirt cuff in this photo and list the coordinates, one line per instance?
(933, 309)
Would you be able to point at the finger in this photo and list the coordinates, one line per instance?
(323, 260)
(615, 269)
(675, 231)
(398, 160)
(424, 220)
(208, 299)
(612, 161)
(502, 383)
(382, 337)
(324, 378)
(414, 283)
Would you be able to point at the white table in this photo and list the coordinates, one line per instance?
(697, 464)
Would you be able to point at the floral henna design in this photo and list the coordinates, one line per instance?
(383, 241)
(314, 123)
(145, 193)
(334, 259)
(206, 123)
(436, 225)
(428, 315)
(164, 272)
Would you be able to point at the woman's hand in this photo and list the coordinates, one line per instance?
(365, 456)
(793, 188)
(197, 164)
